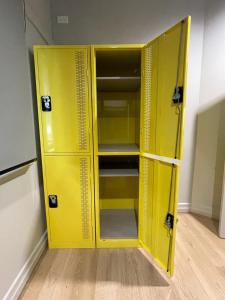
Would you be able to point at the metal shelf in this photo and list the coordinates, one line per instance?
(118, 83)
(118, 172)
(118, 224)
(118, 148)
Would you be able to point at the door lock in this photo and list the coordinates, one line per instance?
(52, 200)
(46, 103)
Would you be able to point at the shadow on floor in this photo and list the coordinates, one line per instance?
(121, 266)
(211, 224)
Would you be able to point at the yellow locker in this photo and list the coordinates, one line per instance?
(118, 189)
(63, 75)
(69, 179)
(65, 123)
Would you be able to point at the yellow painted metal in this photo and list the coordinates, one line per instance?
(118, 192)
(110, 47)
(63, 73)
(163, 189)
(98, 202)
(167, 112)
(149, 85)
(146, 201)
(70, 224)
(68, 164)
(117, 203)
(159, 119)
(63, 148)
(118, 243)
(118, 124)
(118, 153)
(158, 196)
(115, 187)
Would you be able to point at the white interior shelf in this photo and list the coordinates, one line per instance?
(118, 224)
(117, 83)
(118, 172)
(118, 148)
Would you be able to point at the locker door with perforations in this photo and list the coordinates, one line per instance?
(70, 215)
(64, 98)
(65, 123)
(164, 68)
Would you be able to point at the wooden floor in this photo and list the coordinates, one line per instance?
(125, 274)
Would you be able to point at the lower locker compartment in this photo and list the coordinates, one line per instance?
(118, 223)
(118, 193)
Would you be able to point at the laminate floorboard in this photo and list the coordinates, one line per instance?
(126, 274)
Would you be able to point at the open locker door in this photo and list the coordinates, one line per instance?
(164, 70)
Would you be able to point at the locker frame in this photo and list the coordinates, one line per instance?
(94, 142)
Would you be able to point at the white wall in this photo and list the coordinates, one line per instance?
(132, 21)
(22, 215)
(210, 147)
(22, 223)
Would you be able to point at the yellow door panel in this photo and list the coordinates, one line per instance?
(162, 135)
(172, 66)
(165, 201)
(158, 197)
(69, 178)
(63, 75)
(164, 66)
(146, 202)
(149, 96)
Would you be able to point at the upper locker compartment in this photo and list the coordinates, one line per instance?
(118, 99)
(164, 75)
(64, 98)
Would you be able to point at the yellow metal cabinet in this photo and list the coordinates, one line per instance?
(70, 223)
(65, 123)
(112, 142)
(63, 74)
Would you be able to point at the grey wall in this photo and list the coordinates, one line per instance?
(16, 118)
(210, 147)
(132, 21)
(22, 215)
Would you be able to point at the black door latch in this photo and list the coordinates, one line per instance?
(52, 200)
(46, 103)
(178, 95)
(169, 221)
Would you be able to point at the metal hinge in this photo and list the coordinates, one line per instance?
(169, 221)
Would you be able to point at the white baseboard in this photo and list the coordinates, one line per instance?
(184, 207)
(202, 210)
(25, 272)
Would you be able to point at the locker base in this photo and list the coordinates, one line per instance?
(118, 224)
